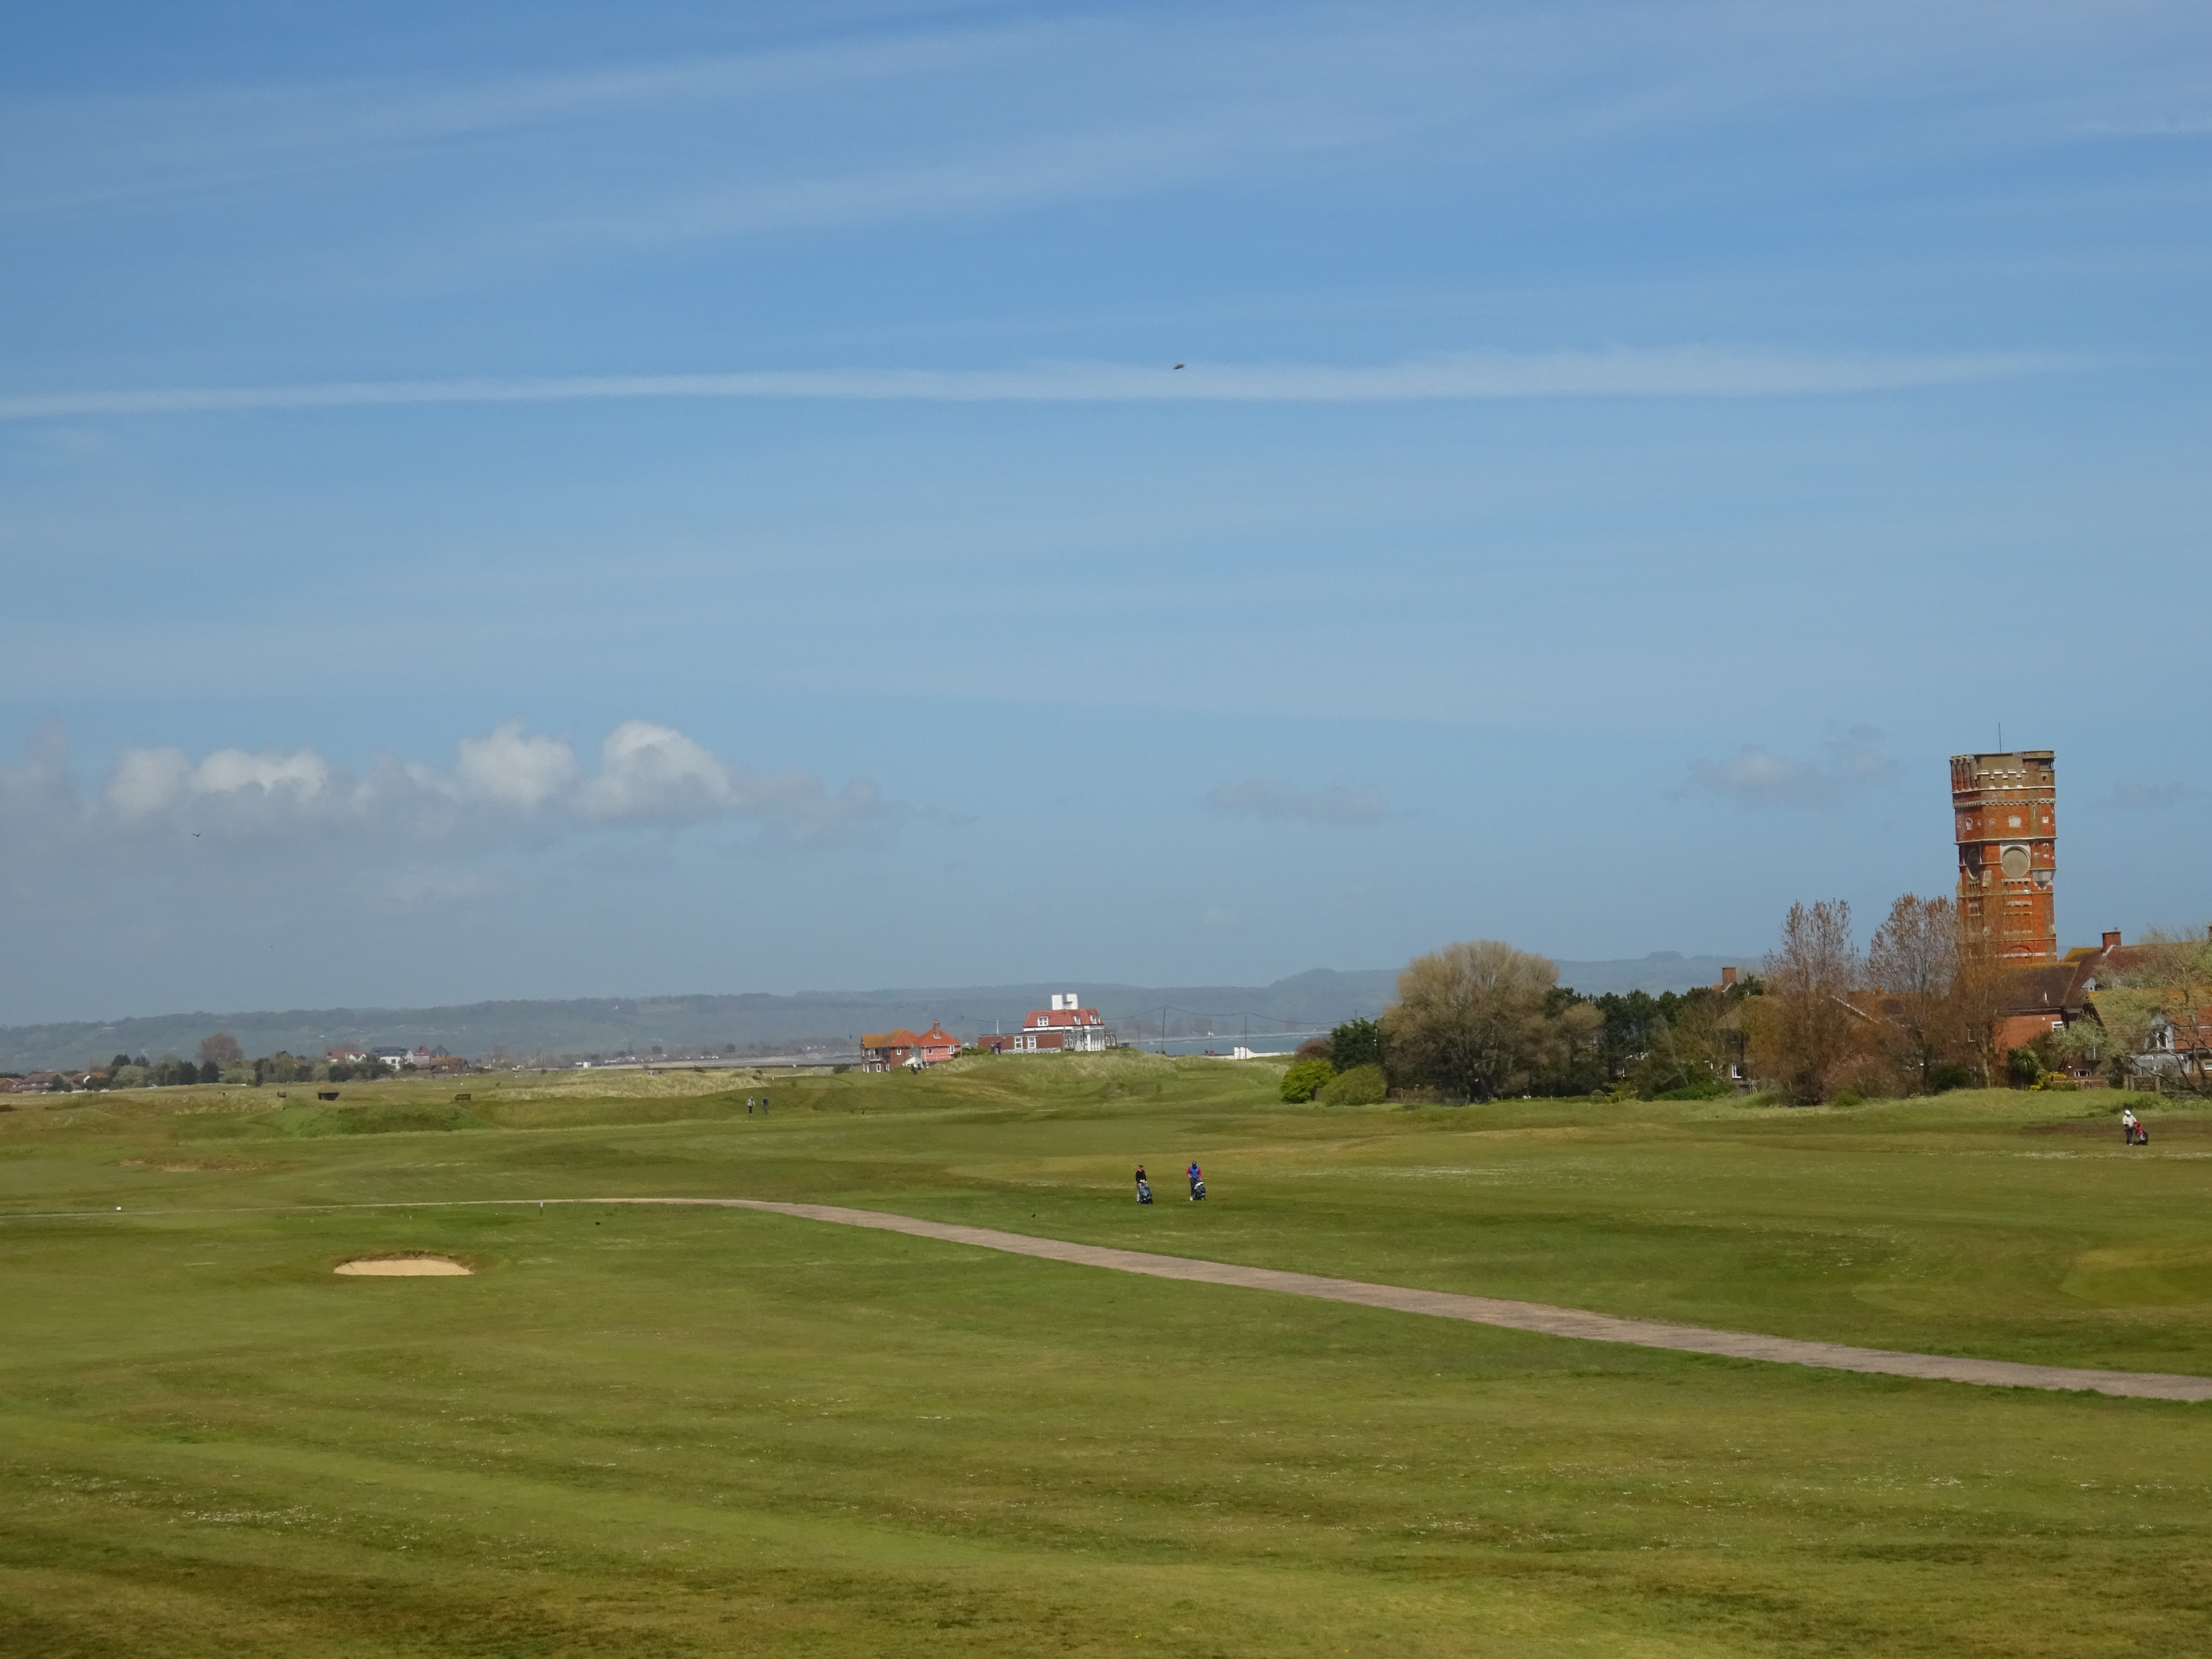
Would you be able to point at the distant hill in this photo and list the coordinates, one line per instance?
(758, 1022)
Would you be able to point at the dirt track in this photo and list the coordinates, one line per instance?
(1517, 1315)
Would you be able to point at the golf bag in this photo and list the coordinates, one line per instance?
(1144, 1191)
(2138, 1136)
(1197, 1191)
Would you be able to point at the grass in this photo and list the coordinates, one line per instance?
(646, 1431)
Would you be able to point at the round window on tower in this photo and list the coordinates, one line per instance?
(2014, 861)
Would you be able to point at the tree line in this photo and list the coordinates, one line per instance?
(220, 1059)
(1918, 1012)
(1480, 1019)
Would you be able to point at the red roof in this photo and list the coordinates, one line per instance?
(935, 1037)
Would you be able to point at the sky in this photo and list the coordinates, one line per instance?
(567, 500)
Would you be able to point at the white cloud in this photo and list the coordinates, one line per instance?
(506, 788)
(513, 769)
(1267, 798)
(1681, 371)
(148, 781)
(1755, 776)
(648, 771)
(654, 773)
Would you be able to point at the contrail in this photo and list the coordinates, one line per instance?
(1646, 372)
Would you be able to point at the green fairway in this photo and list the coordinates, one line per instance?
(650, 1430)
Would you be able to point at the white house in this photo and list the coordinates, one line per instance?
(1066, 1027)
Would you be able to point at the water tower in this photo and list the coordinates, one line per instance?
(2004, 810)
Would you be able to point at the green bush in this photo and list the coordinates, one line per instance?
(1849, 1098)
(1947, 1077)
(1306, 1079)
(1711, 1089)
(1362, 1085)
(2022, 1068)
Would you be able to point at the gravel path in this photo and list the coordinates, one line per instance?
(1516, 1316)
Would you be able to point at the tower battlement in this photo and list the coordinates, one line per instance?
(2004, 810)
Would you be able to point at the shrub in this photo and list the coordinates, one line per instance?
(1947, 1077)
(1305, 1080)
(1847, 1098)
(2022, 1068)
(1711, 1089)
(1362, 1085)
(1315, 1049)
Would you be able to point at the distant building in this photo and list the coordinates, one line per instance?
(882, 1050)
(2004, 814)
(2034, 1002)
(1066, 1027)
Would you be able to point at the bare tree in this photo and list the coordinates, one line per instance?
(1475, 1020)
(222, 1049)
(1913, 962)
(1811, 1033)
(1980, 999)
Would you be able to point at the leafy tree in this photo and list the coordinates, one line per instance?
(117, 1064)
(1362, 1085)
(1355, 1043)
(2023, 1068)
(1313, 1048)
(1479, 1019)
(1687, 1046)
(209, 1072)
(1306, 1079)
(220, 1050)
(2160, 1005)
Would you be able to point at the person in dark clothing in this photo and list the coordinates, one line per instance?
(1197, 1182)
(1144, 1187)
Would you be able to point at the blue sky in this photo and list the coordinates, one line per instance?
(589, 500)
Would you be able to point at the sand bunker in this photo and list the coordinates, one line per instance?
(403, 1267)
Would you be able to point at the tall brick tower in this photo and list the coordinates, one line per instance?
(2005, 809)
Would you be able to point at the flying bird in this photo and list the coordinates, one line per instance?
(1178, 365)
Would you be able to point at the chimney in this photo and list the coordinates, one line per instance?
(1056, 1002)
(2112, 939)
(1727, 978)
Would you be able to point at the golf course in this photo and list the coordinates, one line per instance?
(535, 1418)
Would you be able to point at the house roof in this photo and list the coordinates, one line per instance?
(901, 1038)
(1048, 1018)
(2050, 988)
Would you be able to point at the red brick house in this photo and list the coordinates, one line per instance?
(881, 1050)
